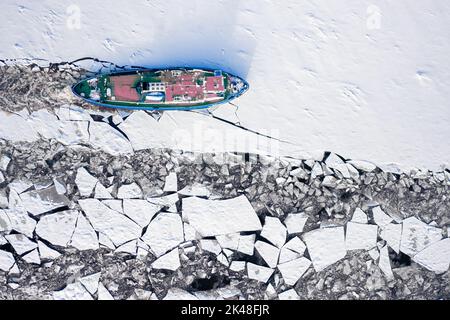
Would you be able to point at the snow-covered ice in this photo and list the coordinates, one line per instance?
(274, 231)
(164, 233)
(295, 222)
(268, 252)
(325, 246)
(360, 236)
(293, 270)
(218, 217)
(169, 261)
(259, 273)
(435, 257)
(417, 235)
(57, 228)
(392, 234)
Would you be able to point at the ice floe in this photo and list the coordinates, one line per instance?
(219, 217)
(32, 257)
(129, 191)
(91, 282)
(247, 244)
(359, 216)
(435, 257)
(392, 234)
(290, 294)
(16, 128)
(229, 241)
(211, 246)
(171, 184)
(85, 182)
(140, 211)
(169, 261)
(259, 273)
(417, 235)
(385, 263)
(57, 228)
(295, 222)
(41, 201)
(268, 252)
(116, 226)
(73, 291)
(6, 260)
(103, 293)
(380, 217)
(21, 243)
(361, 236)
(84, 236)
(274, 231)
(47, 253)
(293, 270)
(164, 233)
(106, 138)
(325, 246)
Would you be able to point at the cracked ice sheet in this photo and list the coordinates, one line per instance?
(417, 235)
(325, 246)
(220, 217)
(436, 257)
(191, 131)
(41, 201)
(116, 226)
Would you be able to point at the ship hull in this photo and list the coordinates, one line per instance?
(197, 88)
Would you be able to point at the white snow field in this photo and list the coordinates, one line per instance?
(365, 79)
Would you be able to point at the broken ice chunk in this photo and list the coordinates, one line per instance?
(91, 282)
(21, 243)
(392, 234)
(116, 226)
(218, 217)
(47, 253)
(435, 257)
(259, 273)
(223, 259)
(130, 247)
(57, 228)
(417, 235)
(106, 138)
(104, 241)
(247, 244)
(6, 260)
(73, 291)
(325, 246)
(179, 294)
(295, 222)
(229, 241)
(361, 236)
(115, 205)
(385, 263)
(129, 191)
(374, 254)
(140, 211)
(169, 261)
(237, 266)
(274, 231)
(41, 201)
(2, 177)
(210, 246)
(84, 236)
(316, 170)
(164, 233)
(20, 221)
(5, 222)
(103, 293)
(171, 184)
(296, 245)
(32, 257)
(359, 216)
(268, 252)
(381, 218)
(168, 202)
(4, 162)
(101, 192)
(290, 294)
(85, 182)
(195, 190)
(20, 186)
(189, 233)
(287, 255)
(293, 270)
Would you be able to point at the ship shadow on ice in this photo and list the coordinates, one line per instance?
(201, 37)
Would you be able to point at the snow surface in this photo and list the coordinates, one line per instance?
(367, 80)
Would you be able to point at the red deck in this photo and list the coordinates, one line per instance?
(123, 88)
